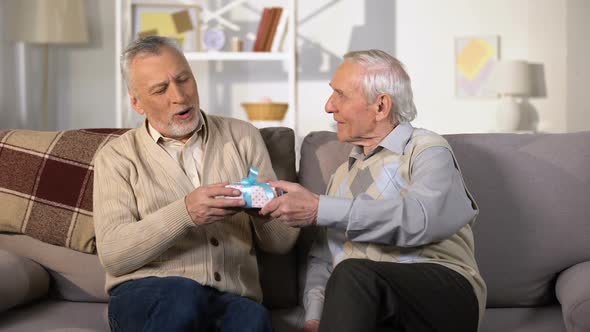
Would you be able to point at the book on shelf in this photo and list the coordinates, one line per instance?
(274, 22)
(262, 30)
(267, 29)
(279, 38)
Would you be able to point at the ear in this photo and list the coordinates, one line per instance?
(384, 107)
(135, 103)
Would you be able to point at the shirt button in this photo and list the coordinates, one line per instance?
(214, 242)
(217, 276)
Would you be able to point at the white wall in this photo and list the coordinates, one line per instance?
(327, 30)
(8, 98)
(547, 46)
(83, 76)
(550, 33)
(578, 68)
(531, 30)
(425, 42)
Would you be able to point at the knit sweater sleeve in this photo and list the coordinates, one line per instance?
(126, 241)
(270, 235)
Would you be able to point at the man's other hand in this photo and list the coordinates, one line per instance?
(311, 325)
(207, 204)
(297, 208)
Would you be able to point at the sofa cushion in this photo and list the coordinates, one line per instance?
(540, 319)
(278, 273)
(533, 193)
(46, 184)
(75, 276)
(280, 143)
(321, 154)
(22, 280)
(574, 295)
(53, 316)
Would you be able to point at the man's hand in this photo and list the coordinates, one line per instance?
(206, 204)
(297, 208)
(311, 325)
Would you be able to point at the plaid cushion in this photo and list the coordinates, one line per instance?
(46, 181)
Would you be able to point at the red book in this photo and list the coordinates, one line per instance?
(262, 32)
(276, 16)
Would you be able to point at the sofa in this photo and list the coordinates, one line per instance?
(532, 235)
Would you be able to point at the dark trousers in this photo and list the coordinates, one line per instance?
(181, 304)
(363, 295)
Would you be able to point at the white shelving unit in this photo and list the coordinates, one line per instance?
(237, 56)
(288, 58)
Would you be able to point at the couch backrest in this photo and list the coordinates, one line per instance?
(533, 192)
(278, 273)
(321, 154)
(79, 276)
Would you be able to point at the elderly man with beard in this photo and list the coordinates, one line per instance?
(178, 255)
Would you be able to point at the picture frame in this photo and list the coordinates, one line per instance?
(178, 21)
(475, 60)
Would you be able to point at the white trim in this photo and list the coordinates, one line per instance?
(21, 60)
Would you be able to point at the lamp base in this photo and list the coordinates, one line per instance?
(508, 115)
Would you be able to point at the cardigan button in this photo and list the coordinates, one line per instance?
(214, 242)
(217, 276)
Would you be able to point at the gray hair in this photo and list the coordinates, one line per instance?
(147, 45)
(386, 75)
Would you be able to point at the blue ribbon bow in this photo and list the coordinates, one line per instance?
(249, 182)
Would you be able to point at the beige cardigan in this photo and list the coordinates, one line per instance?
(142, 225)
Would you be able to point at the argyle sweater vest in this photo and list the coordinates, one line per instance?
(455, 252)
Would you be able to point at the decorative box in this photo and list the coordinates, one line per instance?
(256, 194)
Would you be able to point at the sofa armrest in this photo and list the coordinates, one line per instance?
(23, 280)
(573, 292)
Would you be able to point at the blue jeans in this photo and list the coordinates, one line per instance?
(181, 304)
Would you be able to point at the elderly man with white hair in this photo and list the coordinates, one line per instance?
(395, 249)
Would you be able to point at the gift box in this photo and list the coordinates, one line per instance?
(256, 194)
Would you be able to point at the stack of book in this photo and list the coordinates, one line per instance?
(271, 30)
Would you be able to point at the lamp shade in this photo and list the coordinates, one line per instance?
(50, 22)
(513, 78)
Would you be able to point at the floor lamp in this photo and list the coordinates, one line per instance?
(46, 22)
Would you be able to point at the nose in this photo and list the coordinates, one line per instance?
(177, 95)
(329, 107)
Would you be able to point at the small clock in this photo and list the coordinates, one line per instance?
(214, 39)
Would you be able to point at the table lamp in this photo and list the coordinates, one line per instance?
(513, 80)
(46, 22)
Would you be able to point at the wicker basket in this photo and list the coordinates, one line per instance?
(265, 111)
